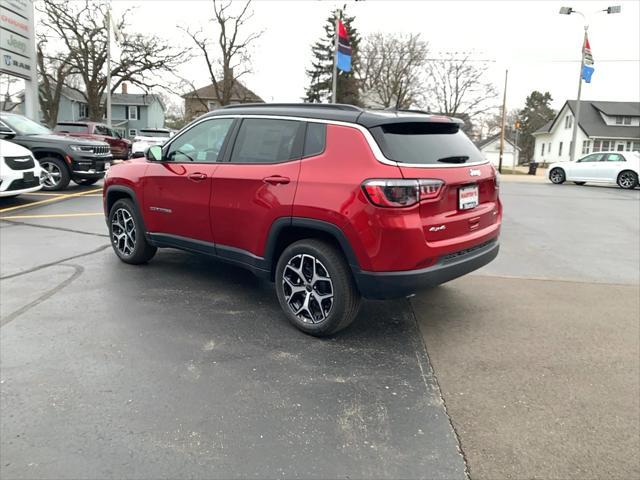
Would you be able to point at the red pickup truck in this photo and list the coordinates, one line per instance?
(120, 147)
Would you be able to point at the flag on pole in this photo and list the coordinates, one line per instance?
(587, 67)
(344, 49)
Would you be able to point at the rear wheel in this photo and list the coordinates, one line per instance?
(127, 234)
(55, 174)
(557, 176)
(627, 180)
(315, 288)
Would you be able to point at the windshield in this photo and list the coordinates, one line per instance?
(426, 143)
(24, 126)
(154, 133)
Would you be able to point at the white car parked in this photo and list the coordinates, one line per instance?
(19, 171)
(150, 136)
(622, 168)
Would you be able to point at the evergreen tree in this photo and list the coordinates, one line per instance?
(321, 72)
(536, 113)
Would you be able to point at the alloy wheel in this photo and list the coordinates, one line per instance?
(308, 289)
(123, 232)
(556, 176)
(627, 180)
(51, 174)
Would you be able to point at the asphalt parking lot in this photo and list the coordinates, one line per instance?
(529, 368)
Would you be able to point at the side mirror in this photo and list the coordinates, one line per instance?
(6, 132)
(154, 153)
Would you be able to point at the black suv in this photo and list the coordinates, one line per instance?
(62, 158)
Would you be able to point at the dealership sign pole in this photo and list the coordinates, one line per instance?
(18, 49)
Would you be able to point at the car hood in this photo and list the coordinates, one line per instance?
(10, 149)
(61, 139)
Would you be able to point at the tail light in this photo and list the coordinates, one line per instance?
(394, 193)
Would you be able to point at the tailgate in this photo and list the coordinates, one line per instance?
(466, 206)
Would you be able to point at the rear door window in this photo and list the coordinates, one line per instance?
(423, 143)
(315, 139)
(268, 141)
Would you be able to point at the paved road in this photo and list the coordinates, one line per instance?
(186, 368)
(541, 377)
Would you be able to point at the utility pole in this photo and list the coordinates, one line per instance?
(576, 120)
(515, 149)
(334, 88)
(108, 92)
(504, 119)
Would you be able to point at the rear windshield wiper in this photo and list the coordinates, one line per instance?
(456, 159)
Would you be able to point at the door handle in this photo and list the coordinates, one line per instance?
(197, 176)
(276, 179)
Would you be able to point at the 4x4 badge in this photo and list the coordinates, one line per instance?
(474, 173)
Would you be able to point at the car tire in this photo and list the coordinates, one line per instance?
(326, 299)
(580, 183)
(627, 180)
(55, 174)
(557, 176)
(85, 182)
(127, 235)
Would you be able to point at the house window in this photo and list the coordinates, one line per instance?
(83, 110)
(605, 146)
(596, 145)
(568, 121)
(626, 120)
(585, 146)
(560, 149)
(636, 146)
(132, 112)
(549, 149)
(133, 132)
(619, 120)
(211, 106)
(542, 153)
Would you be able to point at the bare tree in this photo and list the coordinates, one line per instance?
(8, 86)
(53, 75)
(81, 28)
(456, 86)
(392, 70)
(233, 59)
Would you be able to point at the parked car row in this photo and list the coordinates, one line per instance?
(74, 151)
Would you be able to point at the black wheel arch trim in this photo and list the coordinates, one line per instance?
(129, 193)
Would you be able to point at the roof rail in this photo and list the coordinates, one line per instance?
(408, 110)
(333, 106)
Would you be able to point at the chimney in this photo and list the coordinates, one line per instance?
(124, 88)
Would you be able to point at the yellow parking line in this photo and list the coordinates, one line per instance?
(49, 200)
(42, 194)
(53, 215)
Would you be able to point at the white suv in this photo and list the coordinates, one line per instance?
(19, 171)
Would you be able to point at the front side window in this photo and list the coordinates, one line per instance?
(268, 141)
(201, 143)
(594, 157)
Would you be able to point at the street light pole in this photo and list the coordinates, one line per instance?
(108, 92)
(568, 11)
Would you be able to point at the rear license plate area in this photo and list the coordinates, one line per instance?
(468, 197)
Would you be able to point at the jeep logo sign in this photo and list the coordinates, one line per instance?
(17, 50)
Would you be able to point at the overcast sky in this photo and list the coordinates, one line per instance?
(540, 48)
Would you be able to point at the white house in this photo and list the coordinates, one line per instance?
(603, 126)
(490, 148)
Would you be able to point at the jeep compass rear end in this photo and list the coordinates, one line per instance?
(331, 202)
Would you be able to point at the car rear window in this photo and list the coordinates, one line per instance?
(71, 128)
(426, 143)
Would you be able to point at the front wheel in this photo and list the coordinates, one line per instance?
(55, 174)
(315, 288)
(127, 234)
(557, 176)
(628, 180)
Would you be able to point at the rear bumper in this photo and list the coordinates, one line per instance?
(386, 285)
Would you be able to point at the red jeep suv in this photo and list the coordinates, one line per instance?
(332, 202)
